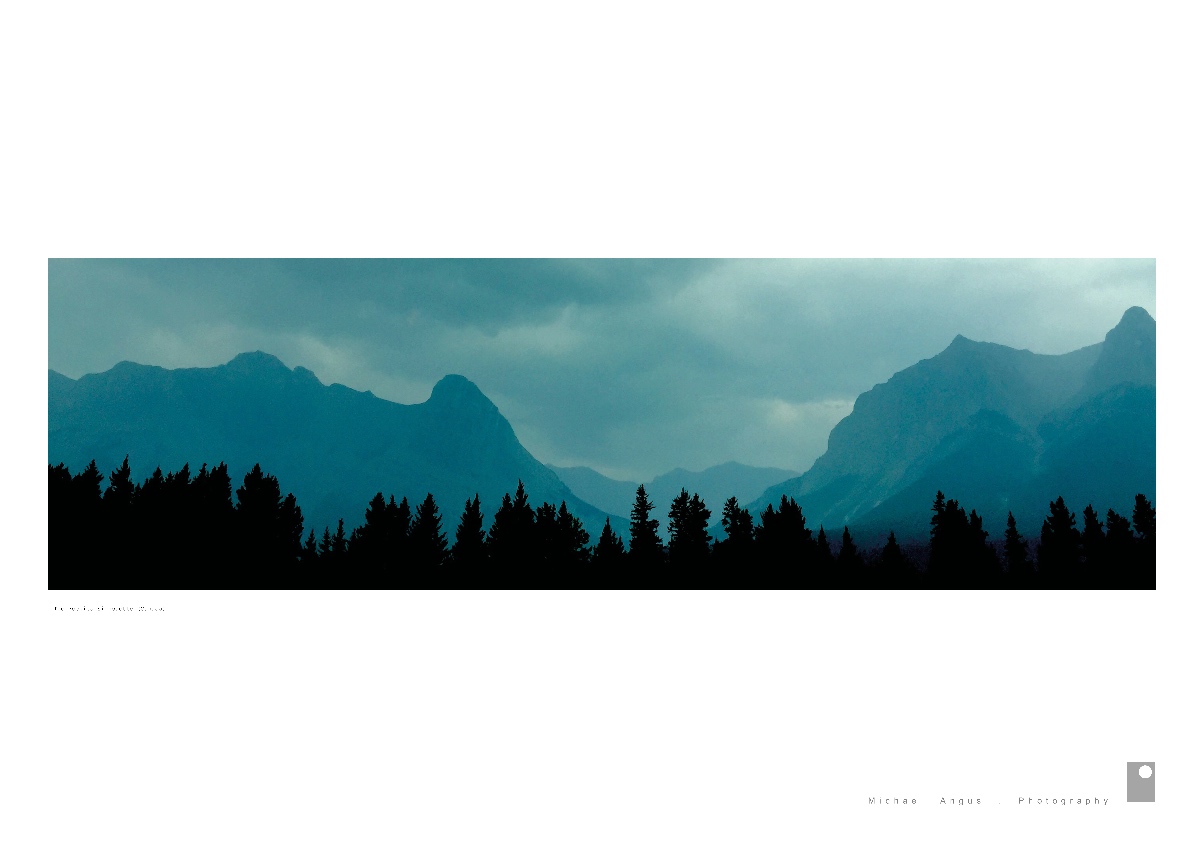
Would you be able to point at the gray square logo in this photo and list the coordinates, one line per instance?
(1139, 781)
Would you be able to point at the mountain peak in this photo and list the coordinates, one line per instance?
(961, 342)
(1135, 318)
(1136, 329)
(1128, 354)
(457, 390)
(256, 361)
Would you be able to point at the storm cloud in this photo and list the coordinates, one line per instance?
(632, 367)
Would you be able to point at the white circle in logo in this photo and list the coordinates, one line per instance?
(1145, 771)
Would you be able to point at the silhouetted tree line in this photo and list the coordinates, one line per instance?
(184, 530)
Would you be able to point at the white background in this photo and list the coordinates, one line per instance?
(626, 129)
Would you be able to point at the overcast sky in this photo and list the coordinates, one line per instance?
(631, 367)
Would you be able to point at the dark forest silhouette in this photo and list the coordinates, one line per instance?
(191, 531)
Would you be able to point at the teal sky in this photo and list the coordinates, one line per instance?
(631, 367)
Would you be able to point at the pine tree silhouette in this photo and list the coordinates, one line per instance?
(427, 542)
(824, 558)
(849, 563)
(309, 559)
(1060, 548)
(1144, 559)
(469, 552)
(118, 498)
(609, 556)
(1143, 517)
(338, 546)
(1016, 557)
(895, 571)
(369, 543)
(257, 518)
(785, 547)
(1119, 556)
(1094, 568)
(88, 522)
(179, 530)
(959, 555)
(62, 546)
(212, 501)
(645, 546)
(120, 525)
(399, 524)
(562, 544)
(738, 546)
(290, 534)
(688, 530)
(512, 539)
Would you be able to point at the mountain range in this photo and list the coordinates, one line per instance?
(996, 428)
(332, 446)
(715, 485)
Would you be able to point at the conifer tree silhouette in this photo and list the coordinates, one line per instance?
(895, 571)
(784, 546)
(562, 542)
(1143, 517)
(177, 564)
(86, 485)
(118, 498)
(738, 545)
(180, 526)
(499, 539)
(369, 543)
(257, 512)
(62, 546)
(688, 529)
(546, 524)
(1144, 558)
(512, 539)
(399, 524)
(959, 555)
(89, 519)
(212, 501)
(427, 542)
(338, 545)
(645, 546)
(119, 524)
(290, 534)
(609, 555)
(849, 562)
(1016, 557)
(1060, 548)
(1094, 567)
(1119, 552)
(309, 557)
(153, 542)
(983, 563)
(469, 552)
(824, 558)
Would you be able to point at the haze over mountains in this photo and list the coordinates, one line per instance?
(996, 428)
(715, 485)
(332, 446)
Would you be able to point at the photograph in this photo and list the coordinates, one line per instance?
(673, 424)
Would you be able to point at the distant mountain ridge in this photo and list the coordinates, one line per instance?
(332, 446)
(715, 485)
(996, 428)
